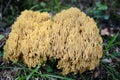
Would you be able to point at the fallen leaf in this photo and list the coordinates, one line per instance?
(107, 31)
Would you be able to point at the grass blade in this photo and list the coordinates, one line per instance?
(59, 77)
(33, 71)
(110, 43)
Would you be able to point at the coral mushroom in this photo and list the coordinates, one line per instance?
(76, 41)
(72, 38)
(29, 38)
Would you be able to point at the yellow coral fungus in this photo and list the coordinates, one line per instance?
(76, 41)
(72, 38)
(29, 38)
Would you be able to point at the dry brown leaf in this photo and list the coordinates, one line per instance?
(107, 32)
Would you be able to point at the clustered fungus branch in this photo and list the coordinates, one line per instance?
(72, 38)
(29, 38)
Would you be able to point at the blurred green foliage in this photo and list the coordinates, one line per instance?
(1, 36)
(99, 11)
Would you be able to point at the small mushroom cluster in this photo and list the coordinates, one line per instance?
(71, 37)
